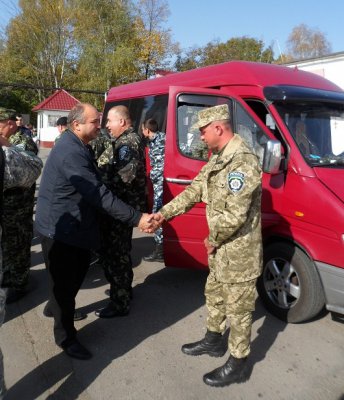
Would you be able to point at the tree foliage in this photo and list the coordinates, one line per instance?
(153, 41)
(241, 48)
(94, 45)
(105, 54)
(305, 42)
(84, 44)
(39, 43)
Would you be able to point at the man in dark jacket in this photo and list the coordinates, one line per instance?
(71, 193)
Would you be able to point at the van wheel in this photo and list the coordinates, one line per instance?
(290, 286)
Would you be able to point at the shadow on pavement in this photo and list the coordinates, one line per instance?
(164, 298)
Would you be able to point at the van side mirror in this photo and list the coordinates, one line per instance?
(272, 157)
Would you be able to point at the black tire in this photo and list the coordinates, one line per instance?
(290, 286)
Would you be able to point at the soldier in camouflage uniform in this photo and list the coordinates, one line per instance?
(156, 152)
(18, 227)
(122, 166)
(17, 169)
(230, 185)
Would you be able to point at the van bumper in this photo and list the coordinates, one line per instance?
(333, 283)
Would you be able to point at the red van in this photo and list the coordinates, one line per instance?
(294, 121)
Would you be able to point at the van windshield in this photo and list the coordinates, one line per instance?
(317, 128)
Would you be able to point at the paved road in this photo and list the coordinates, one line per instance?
(138, 357)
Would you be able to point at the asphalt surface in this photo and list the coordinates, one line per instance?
(138, 357)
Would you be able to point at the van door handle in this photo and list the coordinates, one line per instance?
(179, 181)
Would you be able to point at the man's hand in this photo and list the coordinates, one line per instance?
(159, 218)
(210, 249)
(145, 223)
(149, 223)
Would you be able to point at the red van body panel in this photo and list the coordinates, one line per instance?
(302, 204)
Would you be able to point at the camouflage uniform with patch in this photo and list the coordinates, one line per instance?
(100, 144)
(122, 167)
(18, 225)
(156, 155)
(19, 170)
(230, 185)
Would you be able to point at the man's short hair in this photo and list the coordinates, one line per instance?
(122, 111)
(61, 121)
(76, 114)
(7, 114)
(151, 124)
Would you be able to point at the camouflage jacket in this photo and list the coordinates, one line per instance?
(23, 142)
(156, 155)
(122, 167)
(230, 185)
(21, 200)
(100, 144)
(20, 170)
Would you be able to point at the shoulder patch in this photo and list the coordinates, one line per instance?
(124, 153)
(236, 181)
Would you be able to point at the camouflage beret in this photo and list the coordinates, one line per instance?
(7, 113)
(208, 115)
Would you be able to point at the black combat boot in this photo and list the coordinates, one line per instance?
(212, 344)
(234, 370)
(157, 254)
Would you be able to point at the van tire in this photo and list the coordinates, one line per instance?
(290, 286)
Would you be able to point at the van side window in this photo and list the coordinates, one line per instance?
(141, 109)
(264, 115)
(189, 138)
(251, 132)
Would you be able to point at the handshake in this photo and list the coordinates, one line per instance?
(149, 223)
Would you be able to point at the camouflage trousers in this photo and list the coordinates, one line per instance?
(234, 301)
(115, 259)
(2, 316)
(16, 247)
(157, 204)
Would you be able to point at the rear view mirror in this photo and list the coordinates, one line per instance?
(272, 157)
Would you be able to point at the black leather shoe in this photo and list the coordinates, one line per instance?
(110, 311)
(78, 315)
(14, 295)
(157, 255)
(107, 292)
(47, 312)
(212, 344)
(77, 350)
(233, 371)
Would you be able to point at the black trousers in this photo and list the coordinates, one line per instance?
(67, 267)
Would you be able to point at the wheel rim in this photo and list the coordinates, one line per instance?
(281, 283)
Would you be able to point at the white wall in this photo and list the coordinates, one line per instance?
(330, 67)
(46, 124)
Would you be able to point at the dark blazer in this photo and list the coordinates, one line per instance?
(71, 194)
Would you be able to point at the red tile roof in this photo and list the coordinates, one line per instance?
(60, 100)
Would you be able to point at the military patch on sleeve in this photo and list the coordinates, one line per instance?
(124, 153)
(236, 181)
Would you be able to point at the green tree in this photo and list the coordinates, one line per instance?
(215, 52)
(305, 42)
(103, 33)
(154, 43)
(39, 44)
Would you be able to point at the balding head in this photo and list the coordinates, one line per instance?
(118, 120)
(84, 121)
